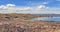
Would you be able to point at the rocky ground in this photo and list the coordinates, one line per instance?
(16, 24)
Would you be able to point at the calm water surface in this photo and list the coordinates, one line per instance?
(47, 18)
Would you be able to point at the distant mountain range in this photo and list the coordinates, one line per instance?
(47, 15)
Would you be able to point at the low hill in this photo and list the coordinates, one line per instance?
(17, 23)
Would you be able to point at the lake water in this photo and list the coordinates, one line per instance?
(47, 18)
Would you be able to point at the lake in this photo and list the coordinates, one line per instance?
(47, 18)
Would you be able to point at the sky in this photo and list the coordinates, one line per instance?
(30, 6)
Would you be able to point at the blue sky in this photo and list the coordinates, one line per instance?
(51, 3)
(27, 6)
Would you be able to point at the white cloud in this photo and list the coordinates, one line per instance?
(10, 5)
(3, 7)
(6, 6)
(41, 9)
(44, 3)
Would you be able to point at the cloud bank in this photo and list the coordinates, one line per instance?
(40, 9)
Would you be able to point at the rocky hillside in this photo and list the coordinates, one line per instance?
(12, 23)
